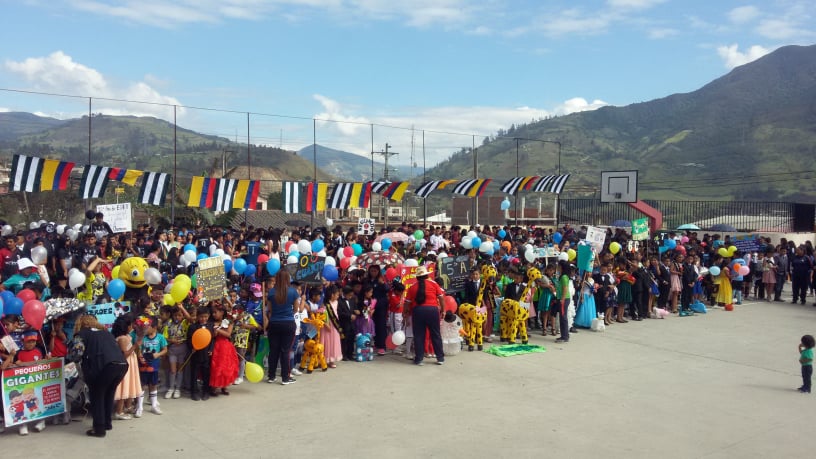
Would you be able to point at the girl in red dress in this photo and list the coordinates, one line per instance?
(224, 363)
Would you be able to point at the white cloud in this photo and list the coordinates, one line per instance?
(658, 34)
(743, 14)
(346, 124)
(633, 4)
(783, 29)
(733, 57)
(59, 73)
(579, 104)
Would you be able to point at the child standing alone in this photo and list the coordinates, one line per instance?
(806, 359)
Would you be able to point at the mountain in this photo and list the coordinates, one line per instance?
(17, 124)
(354, 167)
(749, 135)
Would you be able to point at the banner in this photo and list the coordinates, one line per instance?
(596, 237)
(106, 314)
(308, 269)
(546, 252)
(453, 272)
(33, 392)
(747, 243)
(640, 229)
(408, 274)
(211, 278)
(118, 216)
(365, 226)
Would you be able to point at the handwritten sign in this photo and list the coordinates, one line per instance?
(308, 269)
(211, 278)
(640, 229)
(118, 216)
(546, 252)
(747, 243)
(33, 392)
(365, 226)
(453, 272)
(596, 238)
(407, 274)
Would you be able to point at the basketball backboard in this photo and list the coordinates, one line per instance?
(619, 186)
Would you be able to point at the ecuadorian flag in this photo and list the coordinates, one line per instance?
(126, 176)
(246, 194)
(55, 175)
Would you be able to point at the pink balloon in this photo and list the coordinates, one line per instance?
(34, 314)
(263, 258)
(744, 270)
(684, 239)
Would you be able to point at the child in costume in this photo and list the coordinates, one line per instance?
(330, 336)
(224, 362)
(363, 323)
(175, 331)
(131, 386)
(152, 347)
(243, 326)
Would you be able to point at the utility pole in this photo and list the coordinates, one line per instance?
(386, 154)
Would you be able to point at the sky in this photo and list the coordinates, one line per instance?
(438, 73)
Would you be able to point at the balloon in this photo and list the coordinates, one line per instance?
(530, 256)
(443, 255)
(570, 254)
(34, 314)
(188, 247)
(273, 266)
(152, 276)
(322, 253)
(330, 261)
(471, 234)
(722, 252)
(418, 234)
(684, 239)
(6, 296)
(194, 281)
(476, 242)
(744, 270)
(90, 214)
(386, 243)
(26, 295)
(116, 288)
(228, 266)
(72, 234)
(348, 251)
(168, 287)
(169, 300)
(467, 242)
(239, 265)
(563, 256)
(1, 308)
(189, 256)
(680, 249)
(250, 270)
(329, 222)
(76, 280)
(390, 274)
(183, 279)
(732, 250)
(39, 255)
(714, 270)
(389, 343)
(317, 245)
(288, 246)
(736, 267)
(376, 246)
(303, 246)
(179, 291)
(7, 229)
(502, 234)
(201, 256)
(485, 246)
(213, 248)
(449, 304)
(33, 225)
(614, 248)
(557, 237)
(78, 227)
(14, 306)
(253, 372)
(398, 337)
(221, 253)
(411, 262)
(330, 273)
(357, 249)
(263, 258)
(670, 244)
(344, 263)
(292, 260)
(201, 339)
(505, 204)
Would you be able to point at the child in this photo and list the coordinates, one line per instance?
(130, 387)
(365, 309)
(58, 338)
(254, 307)
(345, 314)
(330, 336)
(546, 296)
(224, 361)
(200, 359)
(152, 347)
(29, 354)
(244, 325)
(395, 300)
(806, 360)
(175, 331)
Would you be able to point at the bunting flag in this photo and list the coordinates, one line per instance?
(552, 183)
(427, 188)
(94, 182)
(55, 175)
(154, 188)
(379, 187)
(246, 194)
(316, 197)
(224, 194)
(527, 183)
(26, 172)
(341, 196)
(201, 192)
(294, 199)
(395, 191)
(517, 184)
(473, 187)
(126, 176)
(360, 195)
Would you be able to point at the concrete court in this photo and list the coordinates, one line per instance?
(719, 385)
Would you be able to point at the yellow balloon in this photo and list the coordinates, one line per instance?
(183, 279)
(722, 252)
(115, 272)
(614, 248)
(570, 254)
(169, 300)
(732, 250)
(179, 291)
(254, 372)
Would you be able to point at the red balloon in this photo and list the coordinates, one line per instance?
(450, 304)
(27, 295)
(288, 246)
(263, 258)
(389, 343)
(390, 274)
(34, 314)
(680, 249)
(348, 251)
(345, 262)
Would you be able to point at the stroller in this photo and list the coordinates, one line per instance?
(76, 393)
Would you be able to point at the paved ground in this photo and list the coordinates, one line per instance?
(710, 386)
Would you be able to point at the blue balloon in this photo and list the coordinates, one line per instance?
(1, 308)
(6, 296)
(250, 270)
(418, 246)
(116, 288)
(557, 237)
(502, 234)
(495, 245)
(189, 247)
(201, 256)
(505, 204)
(475, 242)
(490, 252)
(228, 266)
(317, 245)
(295, 254)
(714, 270)
(670, 244)
(15, 306)
(273, 266)
(239, 265)
(386, 243)
(330, 273)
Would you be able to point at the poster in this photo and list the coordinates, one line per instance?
(106, 314)
(365, 226)
(211, 278)
(118, 216)
(453, 272)
(308, 269)
(640, 229)
(33, 392)
(407, 274)
(747, 243)
(596, 238)
(546, 252)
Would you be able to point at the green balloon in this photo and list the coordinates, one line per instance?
(418, 234)
(194, 281)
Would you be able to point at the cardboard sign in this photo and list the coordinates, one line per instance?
(211, 278)
(596, 238)
(640, 229)
(33, 392)
(308, 269)
(407, 274)
(453, 272)
(747, 243)
(118, 216)
(546, 252)
(365, 226)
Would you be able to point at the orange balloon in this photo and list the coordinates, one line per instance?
(737, 266)
(201, 339)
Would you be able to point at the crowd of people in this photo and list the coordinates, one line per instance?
(154, 350)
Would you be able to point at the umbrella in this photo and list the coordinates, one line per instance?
(621, 223)
(688, 226)
(722, 227)
(56, 307)
(381, 259)
(395, 236)
(299, 223)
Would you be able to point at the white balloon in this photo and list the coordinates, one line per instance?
(225, 257)
(304, 246)
(85, 228)
(76, 280)
(168, 288)
(528, 247)
(398, 337)
(213, 248)
(71, 271)
(41, 223)
(466, 242)
(72, 234)
(472, 234)
(340, 254)
(563, 256)
(34, 225)
(443, 254)
(291, 259)
(322, 253)
(219, 252)
(376, 246)
(329, 222)
(330, 261)
(78, 227)
(61, 229)
(529, 256)
(486, 246)
(184, 262)
(39, 255)
(152, 276)
(353, 260)
(7, 229)
(411, 262)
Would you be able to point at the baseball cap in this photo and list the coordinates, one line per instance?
(256, 290)
(24, 263)
(30, 335)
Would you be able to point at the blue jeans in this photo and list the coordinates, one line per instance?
(426, 317)
(807, 372)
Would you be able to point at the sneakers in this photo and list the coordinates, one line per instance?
(271, 380)
(122, 417)
(177, 393)
(380, 351)
(288, 381)
(419, 364)
(296, 372)
(40, 426)
(440, 362)
(195, 397)
(138, 412)
(23, 430)
(238, 381)
(169, 393)
(561, 340)
(155, 409)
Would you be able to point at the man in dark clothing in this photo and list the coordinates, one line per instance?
(687, 280)
(801, 272)
(781, 272)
